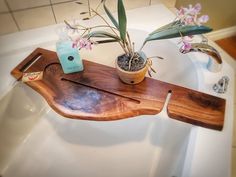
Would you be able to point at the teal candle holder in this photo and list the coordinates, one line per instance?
(69, 57)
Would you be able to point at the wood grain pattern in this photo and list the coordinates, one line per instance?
(97, 94)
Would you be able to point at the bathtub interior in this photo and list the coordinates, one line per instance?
(38, 142)
(142, 146)
(20, 109)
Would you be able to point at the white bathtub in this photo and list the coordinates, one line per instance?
(142, 146)
(37, 142)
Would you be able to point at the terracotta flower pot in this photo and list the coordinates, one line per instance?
(132, 77)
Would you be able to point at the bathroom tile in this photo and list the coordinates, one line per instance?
(235, 88)
(3, 7)
(34, 18)
(155, 1)
(23, 4)
(111, 5)
(59, 1)
(152, 2)
(132, 4)
(234, 128)
(96, 5)
(233, 165)
(167, 3)
(173, 9)
(70, 10)
(9, 25)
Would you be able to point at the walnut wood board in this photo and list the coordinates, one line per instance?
(98, 94)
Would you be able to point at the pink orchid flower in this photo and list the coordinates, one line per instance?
(82, 43)
(186, 46)
(186, 43)
(202, 19)
(189, 20)
(193, 10)
(197, 8)
(180, 12)
(85, 43)
(75, 42)
(189, 15)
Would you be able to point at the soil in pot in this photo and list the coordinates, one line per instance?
(136, 64)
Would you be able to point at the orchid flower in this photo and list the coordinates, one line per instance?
(202, 19)
(186, 46)
(81, 42)
(189, 16)
(187, 22)
(193, 10)
(186, 43)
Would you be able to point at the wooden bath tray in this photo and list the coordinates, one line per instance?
(97, 94)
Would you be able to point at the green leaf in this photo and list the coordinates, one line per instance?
(173, 24)
(142, 55)
(102, 34)
(113, 20)
(107, 41)
(122, 20)
(177, 32)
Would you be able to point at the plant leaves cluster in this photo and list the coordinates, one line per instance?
(119, 31)
(171, 30)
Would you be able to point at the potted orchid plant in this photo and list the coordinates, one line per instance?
(132, 65)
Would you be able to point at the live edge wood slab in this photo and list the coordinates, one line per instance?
(97, 94)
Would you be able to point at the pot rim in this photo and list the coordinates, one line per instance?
(131, 72)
